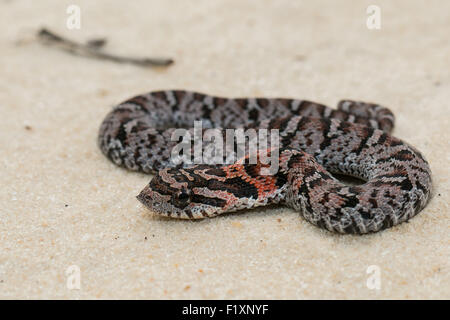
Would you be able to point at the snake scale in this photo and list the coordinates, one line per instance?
(315, 141)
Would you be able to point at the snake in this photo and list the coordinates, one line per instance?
(316, 143)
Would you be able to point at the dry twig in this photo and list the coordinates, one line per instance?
(92, 49)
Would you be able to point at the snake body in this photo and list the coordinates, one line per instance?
(315, 141)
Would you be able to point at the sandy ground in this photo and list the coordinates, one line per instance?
(65, 207)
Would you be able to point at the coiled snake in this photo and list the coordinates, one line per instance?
(314, 140)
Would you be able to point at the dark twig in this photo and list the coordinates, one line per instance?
(96, 43)
(92, 49)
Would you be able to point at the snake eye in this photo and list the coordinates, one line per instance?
(183, 197)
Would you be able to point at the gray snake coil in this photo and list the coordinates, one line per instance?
(315, 141)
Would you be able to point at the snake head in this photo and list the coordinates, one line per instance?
(185, 193)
